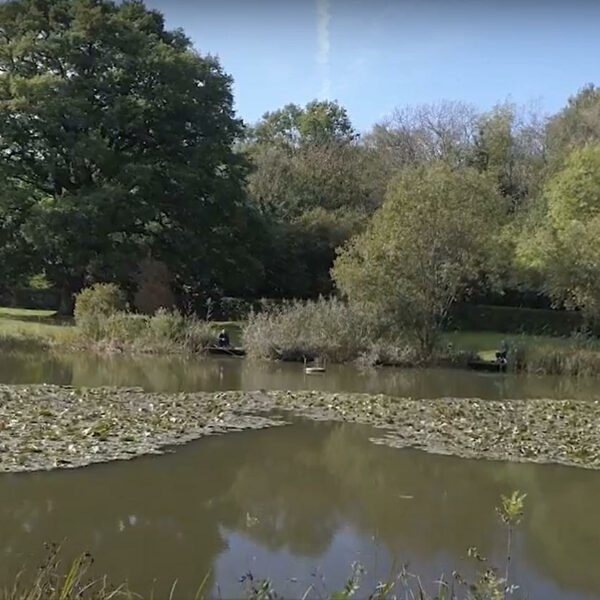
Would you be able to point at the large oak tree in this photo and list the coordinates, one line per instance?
(120, 136)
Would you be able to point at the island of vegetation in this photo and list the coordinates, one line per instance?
(46, 427)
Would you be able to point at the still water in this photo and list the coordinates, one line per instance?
(299, 503)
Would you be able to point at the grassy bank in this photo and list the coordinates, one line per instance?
(290, 336)
(41, 325)
(25, 328)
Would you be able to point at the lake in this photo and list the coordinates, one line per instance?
(299, 503)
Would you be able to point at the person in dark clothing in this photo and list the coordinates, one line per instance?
(223, 339)
(501, 357)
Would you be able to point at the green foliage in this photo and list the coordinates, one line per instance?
(314, 187)
(574, 126)
(102, 318)
(96, 305)
(114, 129)
(55, 582)
(563, 246)
(101, 299)
(510, 146)
(320, 122)
(511, 509)
(435, 232)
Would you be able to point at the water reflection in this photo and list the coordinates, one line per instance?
(296, 500)
(160, 373)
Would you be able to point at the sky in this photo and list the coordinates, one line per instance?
(374, 55)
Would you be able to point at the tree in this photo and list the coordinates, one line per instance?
(425, 133)
(510, 145)
(319, 122)
(562, 243)
(314, 186)
(574, 126)
(121, 137)
(433, 235)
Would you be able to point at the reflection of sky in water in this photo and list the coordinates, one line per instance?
(292, 574)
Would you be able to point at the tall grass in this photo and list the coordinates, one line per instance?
(578, 356)
(165, 331)
(103, 320)
(331, 329)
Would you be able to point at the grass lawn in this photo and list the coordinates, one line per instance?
(39, 324)
(47, 325)
(486, 343)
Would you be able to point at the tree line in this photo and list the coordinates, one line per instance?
(122, 159)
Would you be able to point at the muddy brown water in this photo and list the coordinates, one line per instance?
(299, 503)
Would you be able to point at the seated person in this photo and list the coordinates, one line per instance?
(223, 339)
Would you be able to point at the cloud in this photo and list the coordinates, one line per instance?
(324, 45)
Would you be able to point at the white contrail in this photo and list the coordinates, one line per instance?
(323, 18)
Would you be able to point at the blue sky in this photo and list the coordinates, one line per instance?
(372, 56)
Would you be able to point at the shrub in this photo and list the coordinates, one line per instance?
(124, 328)
(327, 328)
(198, 335)
(576, 356)
(102, 299)
(96, 304)
(166, 326)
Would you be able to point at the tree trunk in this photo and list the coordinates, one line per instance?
(67, 302)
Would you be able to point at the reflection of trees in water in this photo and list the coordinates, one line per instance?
(287, 486)
(163, 517)
(151, 518)
(155, 373)
(175, 373)
(563, 524)
(34, 367)
(303, 486)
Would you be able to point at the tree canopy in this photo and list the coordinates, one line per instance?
(431, 237)
(319, 122)
(562, 244)
(121, 135)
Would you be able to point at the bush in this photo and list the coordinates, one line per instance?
(124, 328)
(166, 326)
(94, 305)
(572, 359)
(198, 335)
(327, 328)
(102, 299)
(102, 320)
